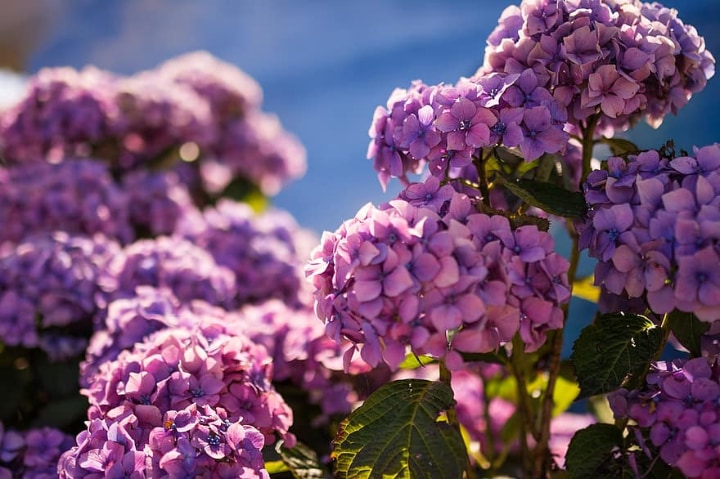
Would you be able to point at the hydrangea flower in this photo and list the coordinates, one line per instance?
(63, 112)
(438, 281)
(31, 454)
(77, 196)
(653, 226)
(189, 442)
(156, 118)
(49, 291)
(445, 126)
(258, 149)
(306, 357)
(193, 108)
(675, 414)
(179, 366)
(264, 251)
(619, 60)
(156, 201)
(230, 92)
(170, 262)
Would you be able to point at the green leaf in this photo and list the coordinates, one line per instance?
(688, 330)
(585, 288)
(276, 467)
(396, 434)
(413, 361)
(243, 190)
(493, 358)
(548, 197)
(301, 461)
(613, 348)
(619, 146)
(590, 454)
(566, 390)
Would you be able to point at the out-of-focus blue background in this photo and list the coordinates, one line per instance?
(324, 66)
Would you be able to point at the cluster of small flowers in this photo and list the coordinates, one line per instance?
(31, 454)
(77, 196)
(194, 441)
(676, 410)
(195, 107)
(64, 112)
(53, 277)
(171, 263)
(179, 366)
(622, 59)
(266, 251)
(433, 274)
(127, 321)
(306, 357)
(653, 225)
(444, 126)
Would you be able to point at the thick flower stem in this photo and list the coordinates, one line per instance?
(446, 378)
(541, 455)
(588, 142)
(527, 418)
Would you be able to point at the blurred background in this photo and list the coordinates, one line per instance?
(324, 66)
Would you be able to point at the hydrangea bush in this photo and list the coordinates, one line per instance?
(155, 308)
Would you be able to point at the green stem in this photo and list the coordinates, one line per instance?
(525, 410)
(541, 455)
(446, 378)
(479, 162)
(588, 142)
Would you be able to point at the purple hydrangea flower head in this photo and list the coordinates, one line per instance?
(306, 357)
(230, 92)
(156, 118)
(156, 200)
(401, 277)
(178, 367)
(209, 445)
(653, 225)
(446, 126)
(127, 321)
(675, 413)
(63, 112)
(617, 61)
(33, 453)
(265, 251)
(76, 196)
(54, 278)
(258, 149)
(170, 262)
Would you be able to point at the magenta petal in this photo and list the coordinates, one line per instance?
(679, 200)
(471, 306)
(426, 267)
(661, 301)
(397, 282)
(625, 259)
(463, 109)
(367, 290)
(447, 122)
(478, 136)
(449, 273)
(148, 414)
(445, 317)
(211, 385)
(476, 341)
